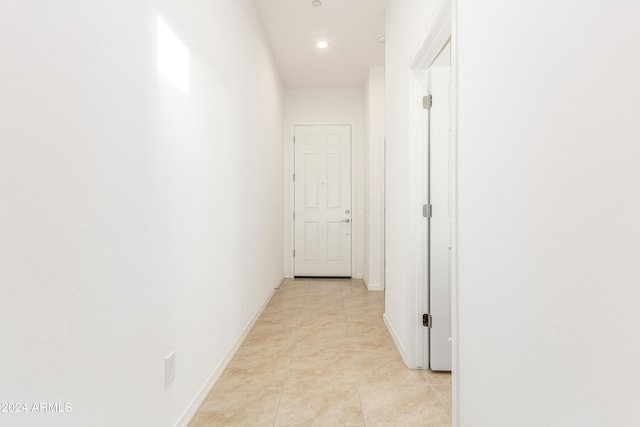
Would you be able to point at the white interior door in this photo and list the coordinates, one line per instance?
(322, 214)
(440, 222)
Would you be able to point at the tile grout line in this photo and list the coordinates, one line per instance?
(290, 355)
(353, 365)
(444, 407)
(275, 415)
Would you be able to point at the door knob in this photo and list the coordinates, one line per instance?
(346, 220)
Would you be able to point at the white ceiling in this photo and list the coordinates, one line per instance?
(351, 27)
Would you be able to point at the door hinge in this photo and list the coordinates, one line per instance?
(294, 253)
(427, 102)
(427, 211)
(294, 177)
(294, 139)
(427, 321)
(294, 215)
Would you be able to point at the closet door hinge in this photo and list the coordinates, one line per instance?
(427, 211)
(427, 321)
(294, 253)
(427, 102)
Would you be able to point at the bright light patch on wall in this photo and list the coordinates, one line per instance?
(173, 57)
(322, 45)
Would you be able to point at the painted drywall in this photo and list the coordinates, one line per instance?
(373, 239)
(317, 106)
(139, 215)
(548, 213)
(407, 22)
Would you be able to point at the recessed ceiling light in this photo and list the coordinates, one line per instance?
(322, 45)
(316, 3)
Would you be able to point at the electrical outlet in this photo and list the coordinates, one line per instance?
(169, 368)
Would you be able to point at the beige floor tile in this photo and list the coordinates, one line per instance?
(217, 419)
(321, 358)
(402, 405)
(235, 402)
(266, 350)
(444, 394)
(322, 422)
(307, 399)
(321, 355)
(435, 377)
(234, 389)
(323, 335)
(386, 373)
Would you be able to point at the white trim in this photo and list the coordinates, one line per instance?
(433, 42)
(442, 30)
(419, 274)
(396, 339)
(374, 286)
(354, 207)
(192, 409)
(425, 54)
(292, 201)
(455, 378)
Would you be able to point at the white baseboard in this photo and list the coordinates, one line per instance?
(191, 410)
(396, 340)
(375, 287)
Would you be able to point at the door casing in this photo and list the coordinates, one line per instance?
(441, 30)
(439, 231)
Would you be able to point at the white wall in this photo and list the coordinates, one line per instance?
(407, 22)
(548, 213)
(135, 219)
(373, 241)
(309, 106)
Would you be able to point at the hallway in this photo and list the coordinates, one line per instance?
(320, 355)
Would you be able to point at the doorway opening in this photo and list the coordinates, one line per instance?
(439, 210)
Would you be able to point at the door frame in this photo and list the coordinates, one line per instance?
(355, 220)
(441, 31)
(433, 185)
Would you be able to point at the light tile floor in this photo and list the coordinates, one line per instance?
(320, 355)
